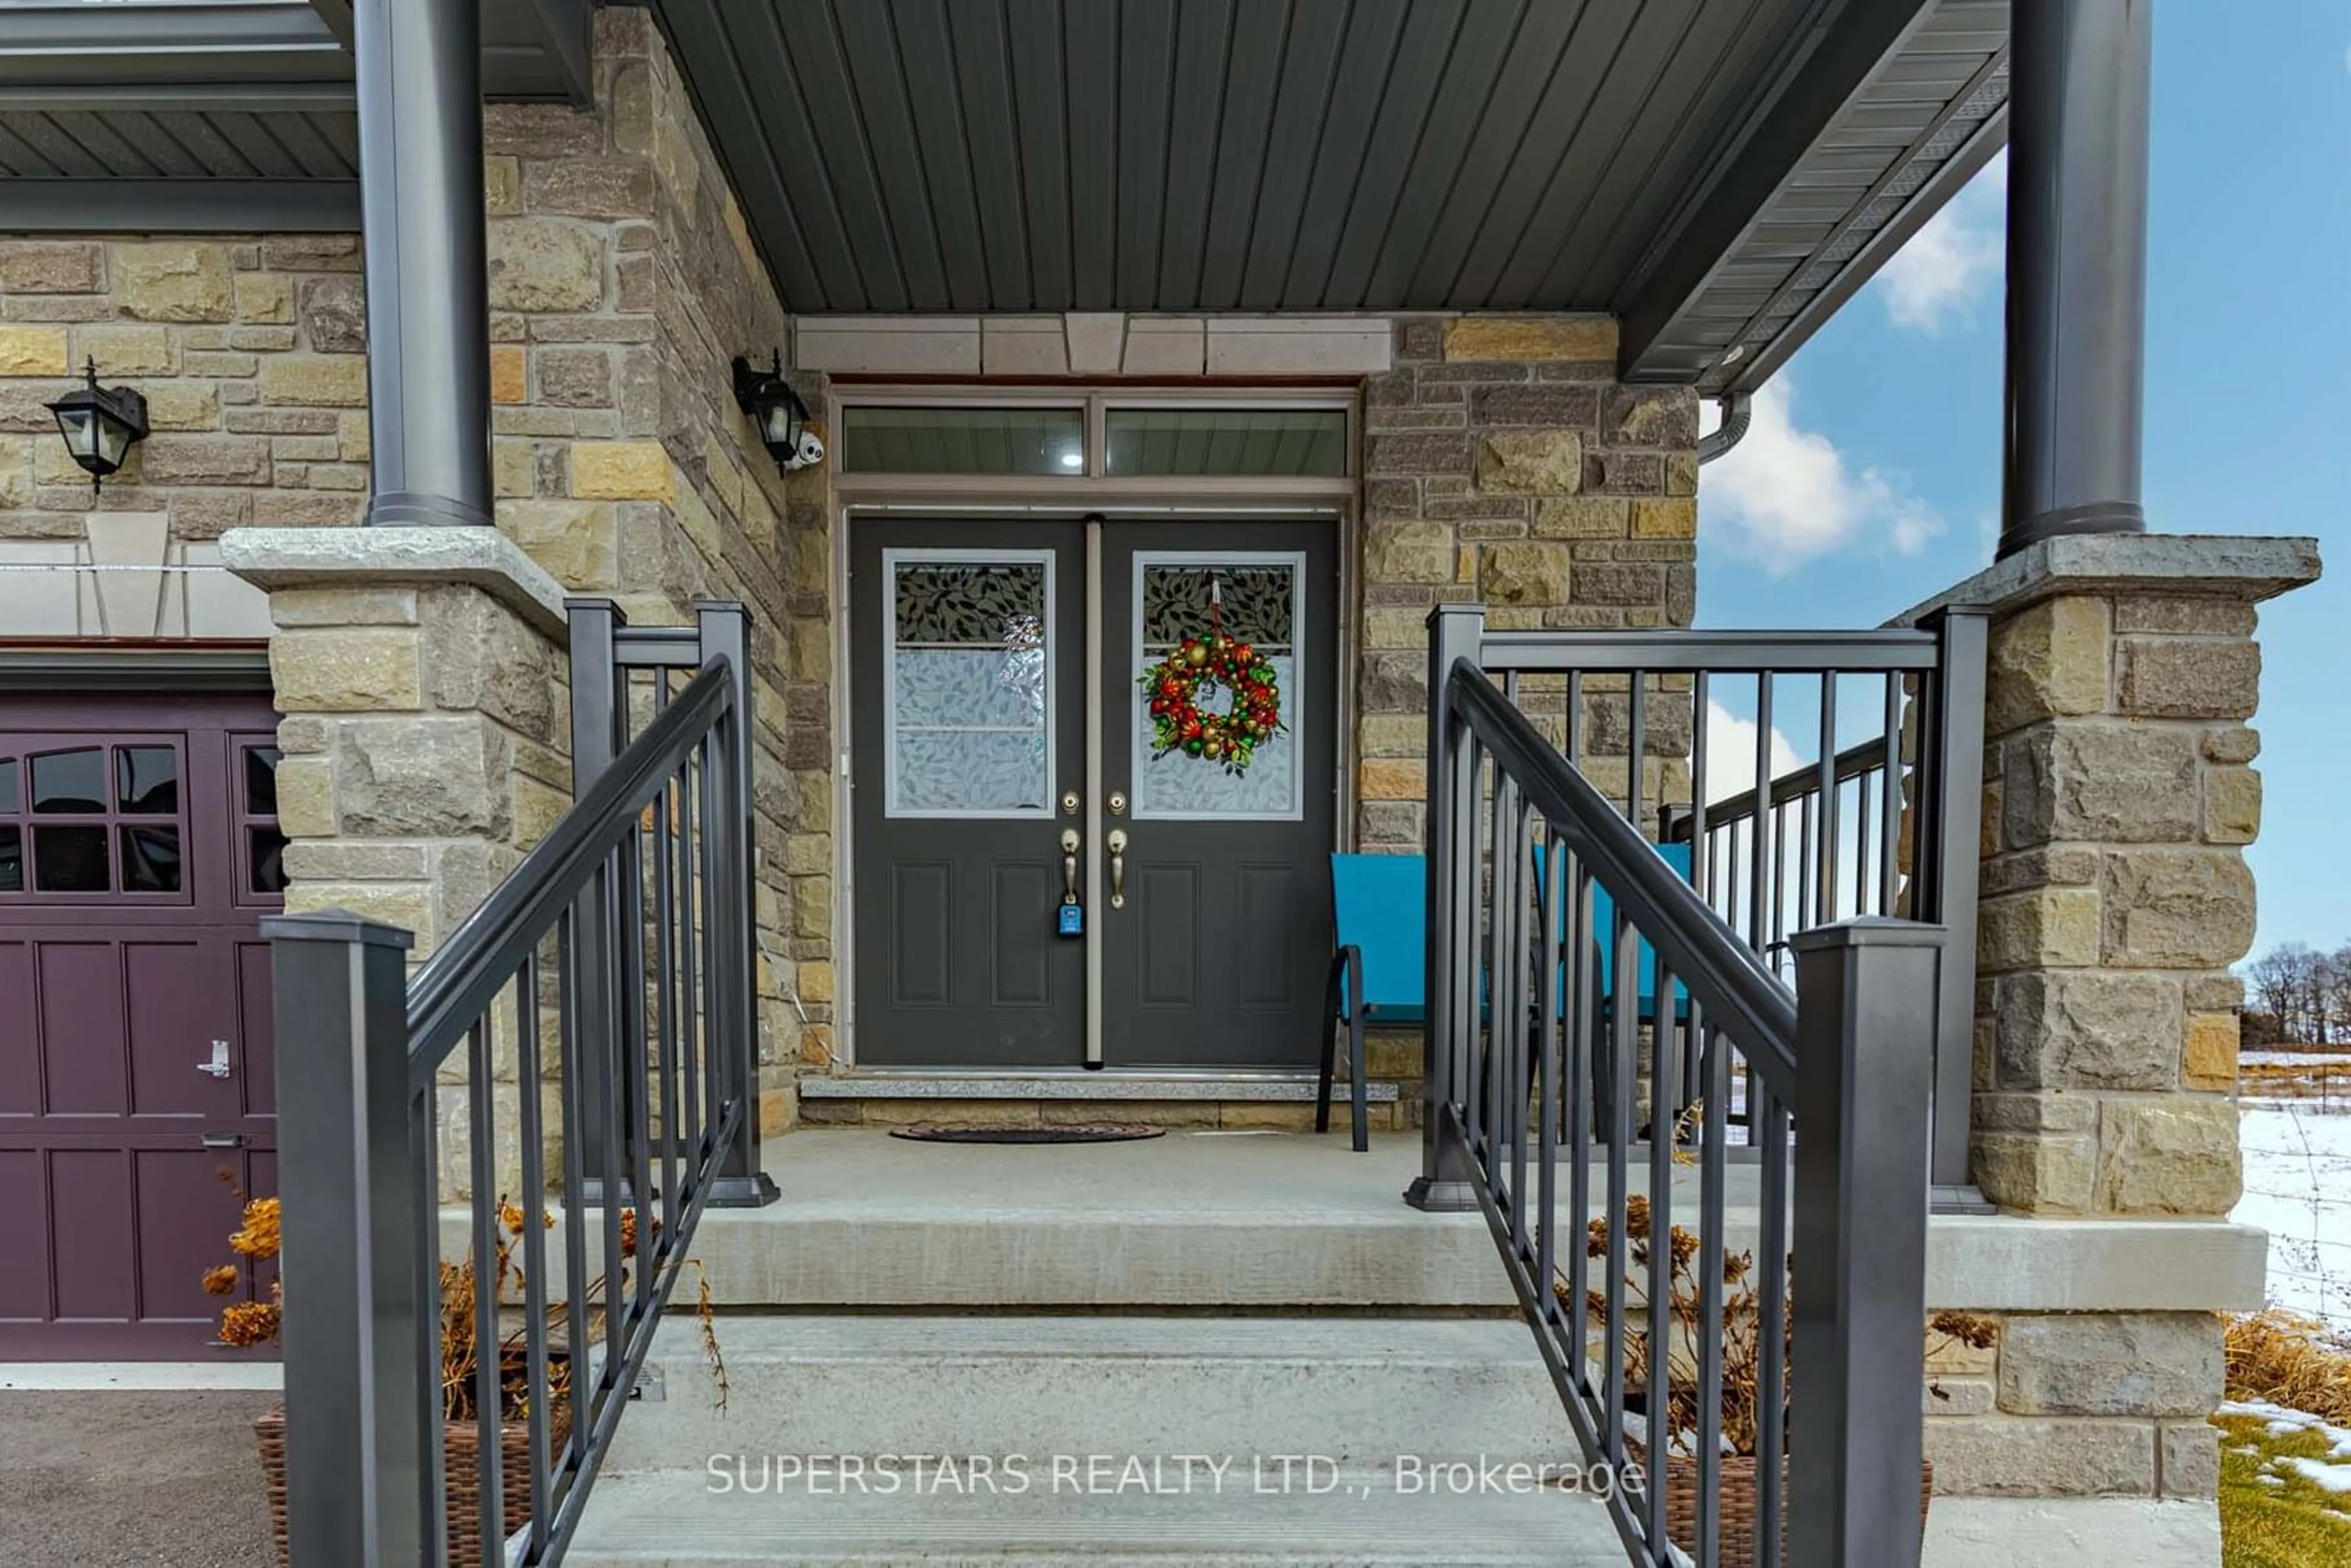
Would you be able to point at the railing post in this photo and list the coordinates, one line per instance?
(724, 627)
(597, 693)
(1456, 632)
(1948, 852)
(358, 1259)
(1865, 1049)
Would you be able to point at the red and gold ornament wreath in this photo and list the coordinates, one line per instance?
(1229, 738)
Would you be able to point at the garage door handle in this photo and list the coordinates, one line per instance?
(223, 1140)
(218, 1066)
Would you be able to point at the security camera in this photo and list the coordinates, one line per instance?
(809, 453)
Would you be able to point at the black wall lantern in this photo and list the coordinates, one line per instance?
(99, 424)
(776, 410)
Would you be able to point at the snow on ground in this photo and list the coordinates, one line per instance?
(2298, 1188)
(2296, 1058)
(2283, 1420)
(2331, 1474)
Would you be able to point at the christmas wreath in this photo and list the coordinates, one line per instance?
(1217, 662)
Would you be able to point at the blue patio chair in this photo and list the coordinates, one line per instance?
(1378, 974)
(1380, 925)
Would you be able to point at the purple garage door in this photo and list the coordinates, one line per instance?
(138, 850)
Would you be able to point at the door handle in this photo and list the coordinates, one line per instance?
(1117, 843)
(1069, 866)
(218, 1066)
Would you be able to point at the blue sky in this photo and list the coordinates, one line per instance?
(1871, 478)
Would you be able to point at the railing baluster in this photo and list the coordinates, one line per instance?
(1760, 822)
(1511, 1027)
(1890, 804)
(665, 987)
(1861, 815)
(573, 1006)
(1808, 863)
(1547, 1085)
(1635, 745)
(1824, 903)
(1489, 963)
(529, 1080)
(696, 917)
(1772, 1329)
(489, 1279)
(614, 1194)
(1713, 1161)
(636, 1101)
(1663, 1096)
(1468, 879)
(1578, 1069)
(1623, 1050)
(714, 939)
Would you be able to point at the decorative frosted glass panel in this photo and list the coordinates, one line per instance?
(964, 440)
(1270, 441)
(971, 708)
(1260, 605)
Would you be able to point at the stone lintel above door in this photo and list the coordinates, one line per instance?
(1105, 344)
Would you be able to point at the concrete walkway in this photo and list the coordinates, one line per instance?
(131, 1478)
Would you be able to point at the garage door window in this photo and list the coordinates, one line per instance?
(265, 843)
(93, 821)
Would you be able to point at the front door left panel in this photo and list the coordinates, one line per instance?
(968, 651)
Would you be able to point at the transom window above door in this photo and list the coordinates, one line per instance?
(1036, 437)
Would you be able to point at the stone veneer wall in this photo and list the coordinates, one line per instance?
(2118, 800)
(2077, 1404)
(1504, 463)
(246, 349)
(622, 283)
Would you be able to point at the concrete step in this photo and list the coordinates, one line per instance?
(1195, 1220)
(683, 1519)
(1359, 1391)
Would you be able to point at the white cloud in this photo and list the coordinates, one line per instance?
(1939, 277)
(1730, 753)
(1784, 495)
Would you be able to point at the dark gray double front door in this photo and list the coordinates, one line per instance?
(1002, 764)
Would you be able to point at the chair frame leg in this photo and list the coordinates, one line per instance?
(1347, 969)
(1330, 1021)
(1361, 1091)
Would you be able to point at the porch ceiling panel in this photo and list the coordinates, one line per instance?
(976, 155)
(1932, 112)
(51, 50)
(192, 143)
(219, 115)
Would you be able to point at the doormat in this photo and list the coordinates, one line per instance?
(1080, 1132)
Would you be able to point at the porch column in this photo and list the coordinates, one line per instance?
(2076, 268)
(420, 103)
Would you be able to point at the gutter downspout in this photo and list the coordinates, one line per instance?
(1737, 411)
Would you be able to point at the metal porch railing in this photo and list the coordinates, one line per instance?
(594, 1016)
(1888, 825)
(1536, 1053)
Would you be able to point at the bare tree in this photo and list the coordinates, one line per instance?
(2306, 991)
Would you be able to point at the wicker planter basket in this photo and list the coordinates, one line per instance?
(460, 1444)
(1738, 1503)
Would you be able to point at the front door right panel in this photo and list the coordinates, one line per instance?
(1217, 958)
